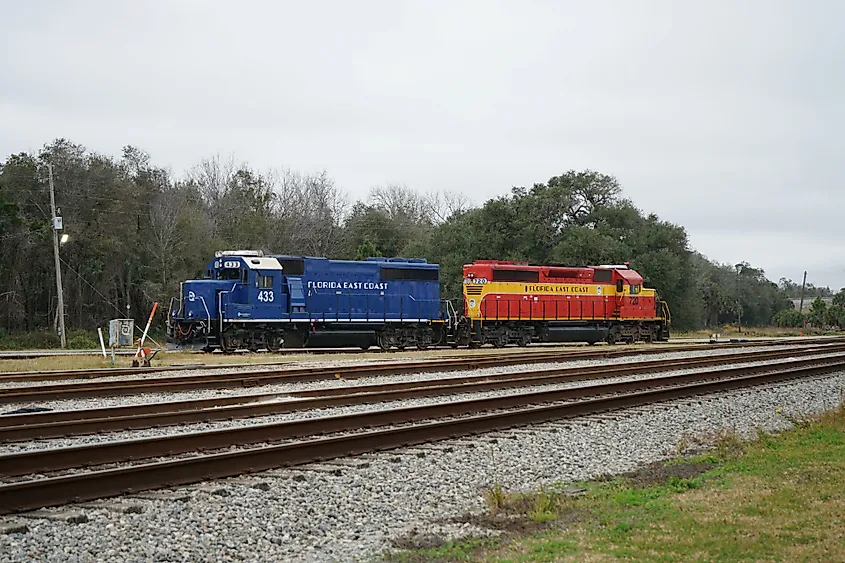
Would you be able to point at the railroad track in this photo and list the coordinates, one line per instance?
(564, 353)
(387, 428)
(63, 423)
(581, 352)
(255, 378)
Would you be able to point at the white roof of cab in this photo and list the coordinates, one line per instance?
(262, 263)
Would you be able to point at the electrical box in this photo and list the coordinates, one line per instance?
(120, 332)
(57, 223)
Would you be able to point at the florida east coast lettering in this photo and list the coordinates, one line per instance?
(579, 289)
(346, 285)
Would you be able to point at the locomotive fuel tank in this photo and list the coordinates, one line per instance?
(355, 338)
(558, 332)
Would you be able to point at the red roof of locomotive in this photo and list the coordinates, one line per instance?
(630, 276)
(553, 273)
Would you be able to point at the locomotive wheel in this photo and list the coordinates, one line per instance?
(524, 340)
(423, 339)
(229, 342)
(612, 338)
(385, 341)
(274, 343)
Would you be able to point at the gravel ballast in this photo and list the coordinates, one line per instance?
(281, 388)
(349, 509)
(16, 447)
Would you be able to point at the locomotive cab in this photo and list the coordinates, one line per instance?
(202, 303)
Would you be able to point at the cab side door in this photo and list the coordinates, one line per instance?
(268, 299)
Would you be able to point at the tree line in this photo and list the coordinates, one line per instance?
(136, 231)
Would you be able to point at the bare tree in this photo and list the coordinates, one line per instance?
(447, 203)
(165, 211)
(212, 178)
(401, 202)
(310, 209)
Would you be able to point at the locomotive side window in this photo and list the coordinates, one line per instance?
(635, 289)
(244, 276)
(265, 282)
(293, 267)
(516, 275)
(409, 274)
(602, 275)
(229, 274)
(620, 286)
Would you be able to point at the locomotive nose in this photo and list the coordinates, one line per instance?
(199, 299)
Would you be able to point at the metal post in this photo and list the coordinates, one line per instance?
(803, 285)
(738, 304)
(102, 344)
(58, 262)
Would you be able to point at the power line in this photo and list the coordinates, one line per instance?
(104, 298)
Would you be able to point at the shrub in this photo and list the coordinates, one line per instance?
(789, 318)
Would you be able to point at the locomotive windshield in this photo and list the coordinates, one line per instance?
(229, 274)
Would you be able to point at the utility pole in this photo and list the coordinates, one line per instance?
(738, 304)
(803, 285)
(57, 225)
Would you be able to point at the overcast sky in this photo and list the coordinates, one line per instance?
(725, 116)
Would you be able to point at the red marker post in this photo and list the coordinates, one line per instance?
(141, 352)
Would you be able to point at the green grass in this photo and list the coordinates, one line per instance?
(449, 551)
(777, 498)
(77, 339)
(45, 340)
(731, 331)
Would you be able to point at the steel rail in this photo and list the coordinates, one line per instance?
(79, 374)
(92, 485)
(35, 354)
(565, 353)
(134, 417)
(580, 352)
(266, 377)
(44, 461)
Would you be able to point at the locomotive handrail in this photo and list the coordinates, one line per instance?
(169, 322)
(207, 314)
(220, 306)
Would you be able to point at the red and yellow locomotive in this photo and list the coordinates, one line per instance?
(513, 302)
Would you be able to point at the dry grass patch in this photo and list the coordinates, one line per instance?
(176, 358)
(731, 331)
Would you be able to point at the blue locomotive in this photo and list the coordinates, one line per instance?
(249, 300)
